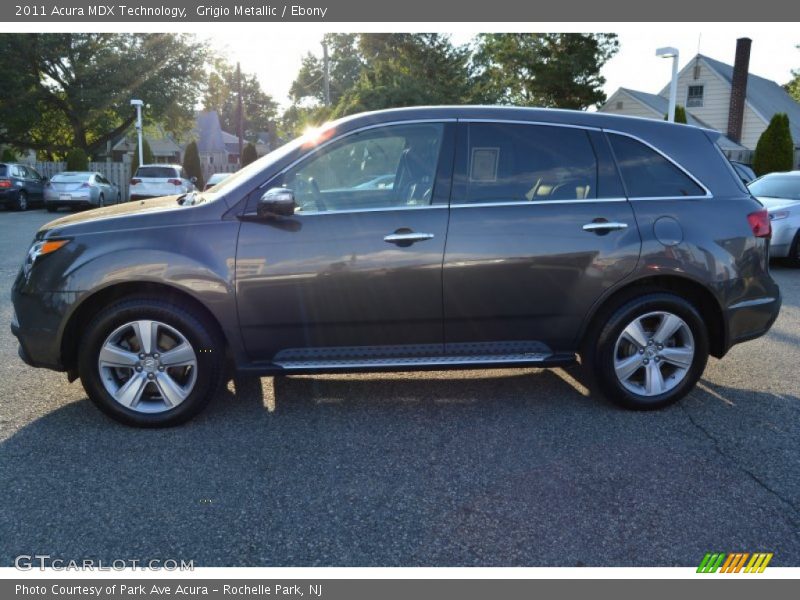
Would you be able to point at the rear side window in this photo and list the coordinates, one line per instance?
(3, 171)
(510, 162)
(647, 174)
(162, 172)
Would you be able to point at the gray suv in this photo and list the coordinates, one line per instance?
(420, 238)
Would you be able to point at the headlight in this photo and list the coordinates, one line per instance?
(39, 250)
(778, 214)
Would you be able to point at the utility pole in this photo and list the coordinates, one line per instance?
(326, 72)
(239, 112)
(138, 104)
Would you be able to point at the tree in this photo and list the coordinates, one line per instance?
(259, 109)
(403, 69)
(249, 154)
(775, 148)
(147, 155)
(344, 65)
(73, 90)
(191, 164)
(542, 69)
(793, 87)
(680, 114)
(77, 160)
(8, 156)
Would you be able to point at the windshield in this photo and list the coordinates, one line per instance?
(67, 177)
(310, 139)
(777, 186)
(164, 172)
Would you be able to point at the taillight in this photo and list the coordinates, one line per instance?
(135, 181)
(759, 223)
(174, 181)
(5, 184)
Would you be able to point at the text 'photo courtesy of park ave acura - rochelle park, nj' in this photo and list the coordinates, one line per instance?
(299, 297)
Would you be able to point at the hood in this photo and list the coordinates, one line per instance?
(116, 212)
(776, 203)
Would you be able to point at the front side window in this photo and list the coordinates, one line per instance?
(648, 174)
(694, 96)
(510, 162)
(386, 167)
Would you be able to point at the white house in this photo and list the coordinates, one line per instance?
(718, 96)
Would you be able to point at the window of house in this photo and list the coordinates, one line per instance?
(694, 96)
(508, 162)
(648, 174)
(619, 105)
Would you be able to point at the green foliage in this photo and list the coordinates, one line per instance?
(8, 156)
(73, 90)
(344, 65)
(77, 160)
(793, 87)
(775, 148)
(249, 154)
(680, 114)
(542, 69)
(191, 164)
(221, 95)
(147, 155)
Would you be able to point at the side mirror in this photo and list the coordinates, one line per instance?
(277, 202)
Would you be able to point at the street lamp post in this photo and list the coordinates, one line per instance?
(139, 104)
(670, 52)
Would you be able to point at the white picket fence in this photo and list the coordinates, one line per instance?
(115, 172)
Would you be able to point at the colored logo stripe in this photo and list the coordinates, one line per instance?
(733, 562)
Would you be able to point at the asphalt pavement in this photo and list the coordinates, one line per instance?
(493, 468)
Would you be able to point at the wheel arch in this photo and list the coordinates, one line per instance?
(93, 303)
(696, 293)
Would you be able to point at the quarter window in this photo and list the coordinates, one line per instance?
(694, 97)
(509, 162)
(648, 174)
(393, 166)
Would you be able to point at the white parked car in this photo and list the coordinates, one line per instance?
(152, 181)
(780, 195)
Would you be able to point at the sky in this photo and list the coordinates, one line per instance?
(275, 55)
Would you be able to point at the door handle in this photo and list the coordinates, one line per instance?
(604, 226)
(407, 238)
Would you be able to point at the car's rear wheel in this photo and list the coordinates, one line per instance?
(651, 352)
(22, 200)
(148, 363)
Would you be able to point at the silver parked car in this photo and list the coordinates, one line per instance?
(780, 194)
(80, 189)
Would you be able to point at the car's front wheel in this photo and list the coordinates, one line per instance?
(149, 363)
(22, 200)
(651, 351)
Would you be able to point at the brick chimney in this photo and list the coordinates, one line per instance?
(741, 66)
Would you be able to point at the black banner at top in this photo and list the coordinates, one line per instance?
(337, 11)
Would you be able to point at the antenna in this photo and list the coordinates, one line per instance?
(699, 39)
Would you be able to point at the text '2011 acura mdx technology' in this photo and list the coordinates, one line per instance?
(421, 238)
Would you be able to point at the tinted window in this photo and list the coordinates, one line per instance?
(22, 172)
(647, 174)
(162, 172)
(777, 186)
(3, 170)
(508, 162)
(34, 173)
(383, 167)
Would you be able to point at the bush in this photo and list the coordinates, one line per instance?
(147, 155)
(8, 156)
(775, 148)
(77, 160)
(249, 154)
(680, 114)
(191, 164)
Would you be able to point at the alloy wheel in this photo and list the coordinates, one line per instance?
(654, 353)
(147, 366)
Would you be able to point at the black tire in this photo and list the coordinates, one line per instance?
(194, 327)
(22, 200)
(600, 351)
(50, 207)
(793, 260)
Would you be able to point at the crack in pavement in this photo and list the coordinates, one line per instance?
(762, 484)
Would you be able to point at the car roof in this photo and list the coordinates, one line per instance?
(161, 165)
